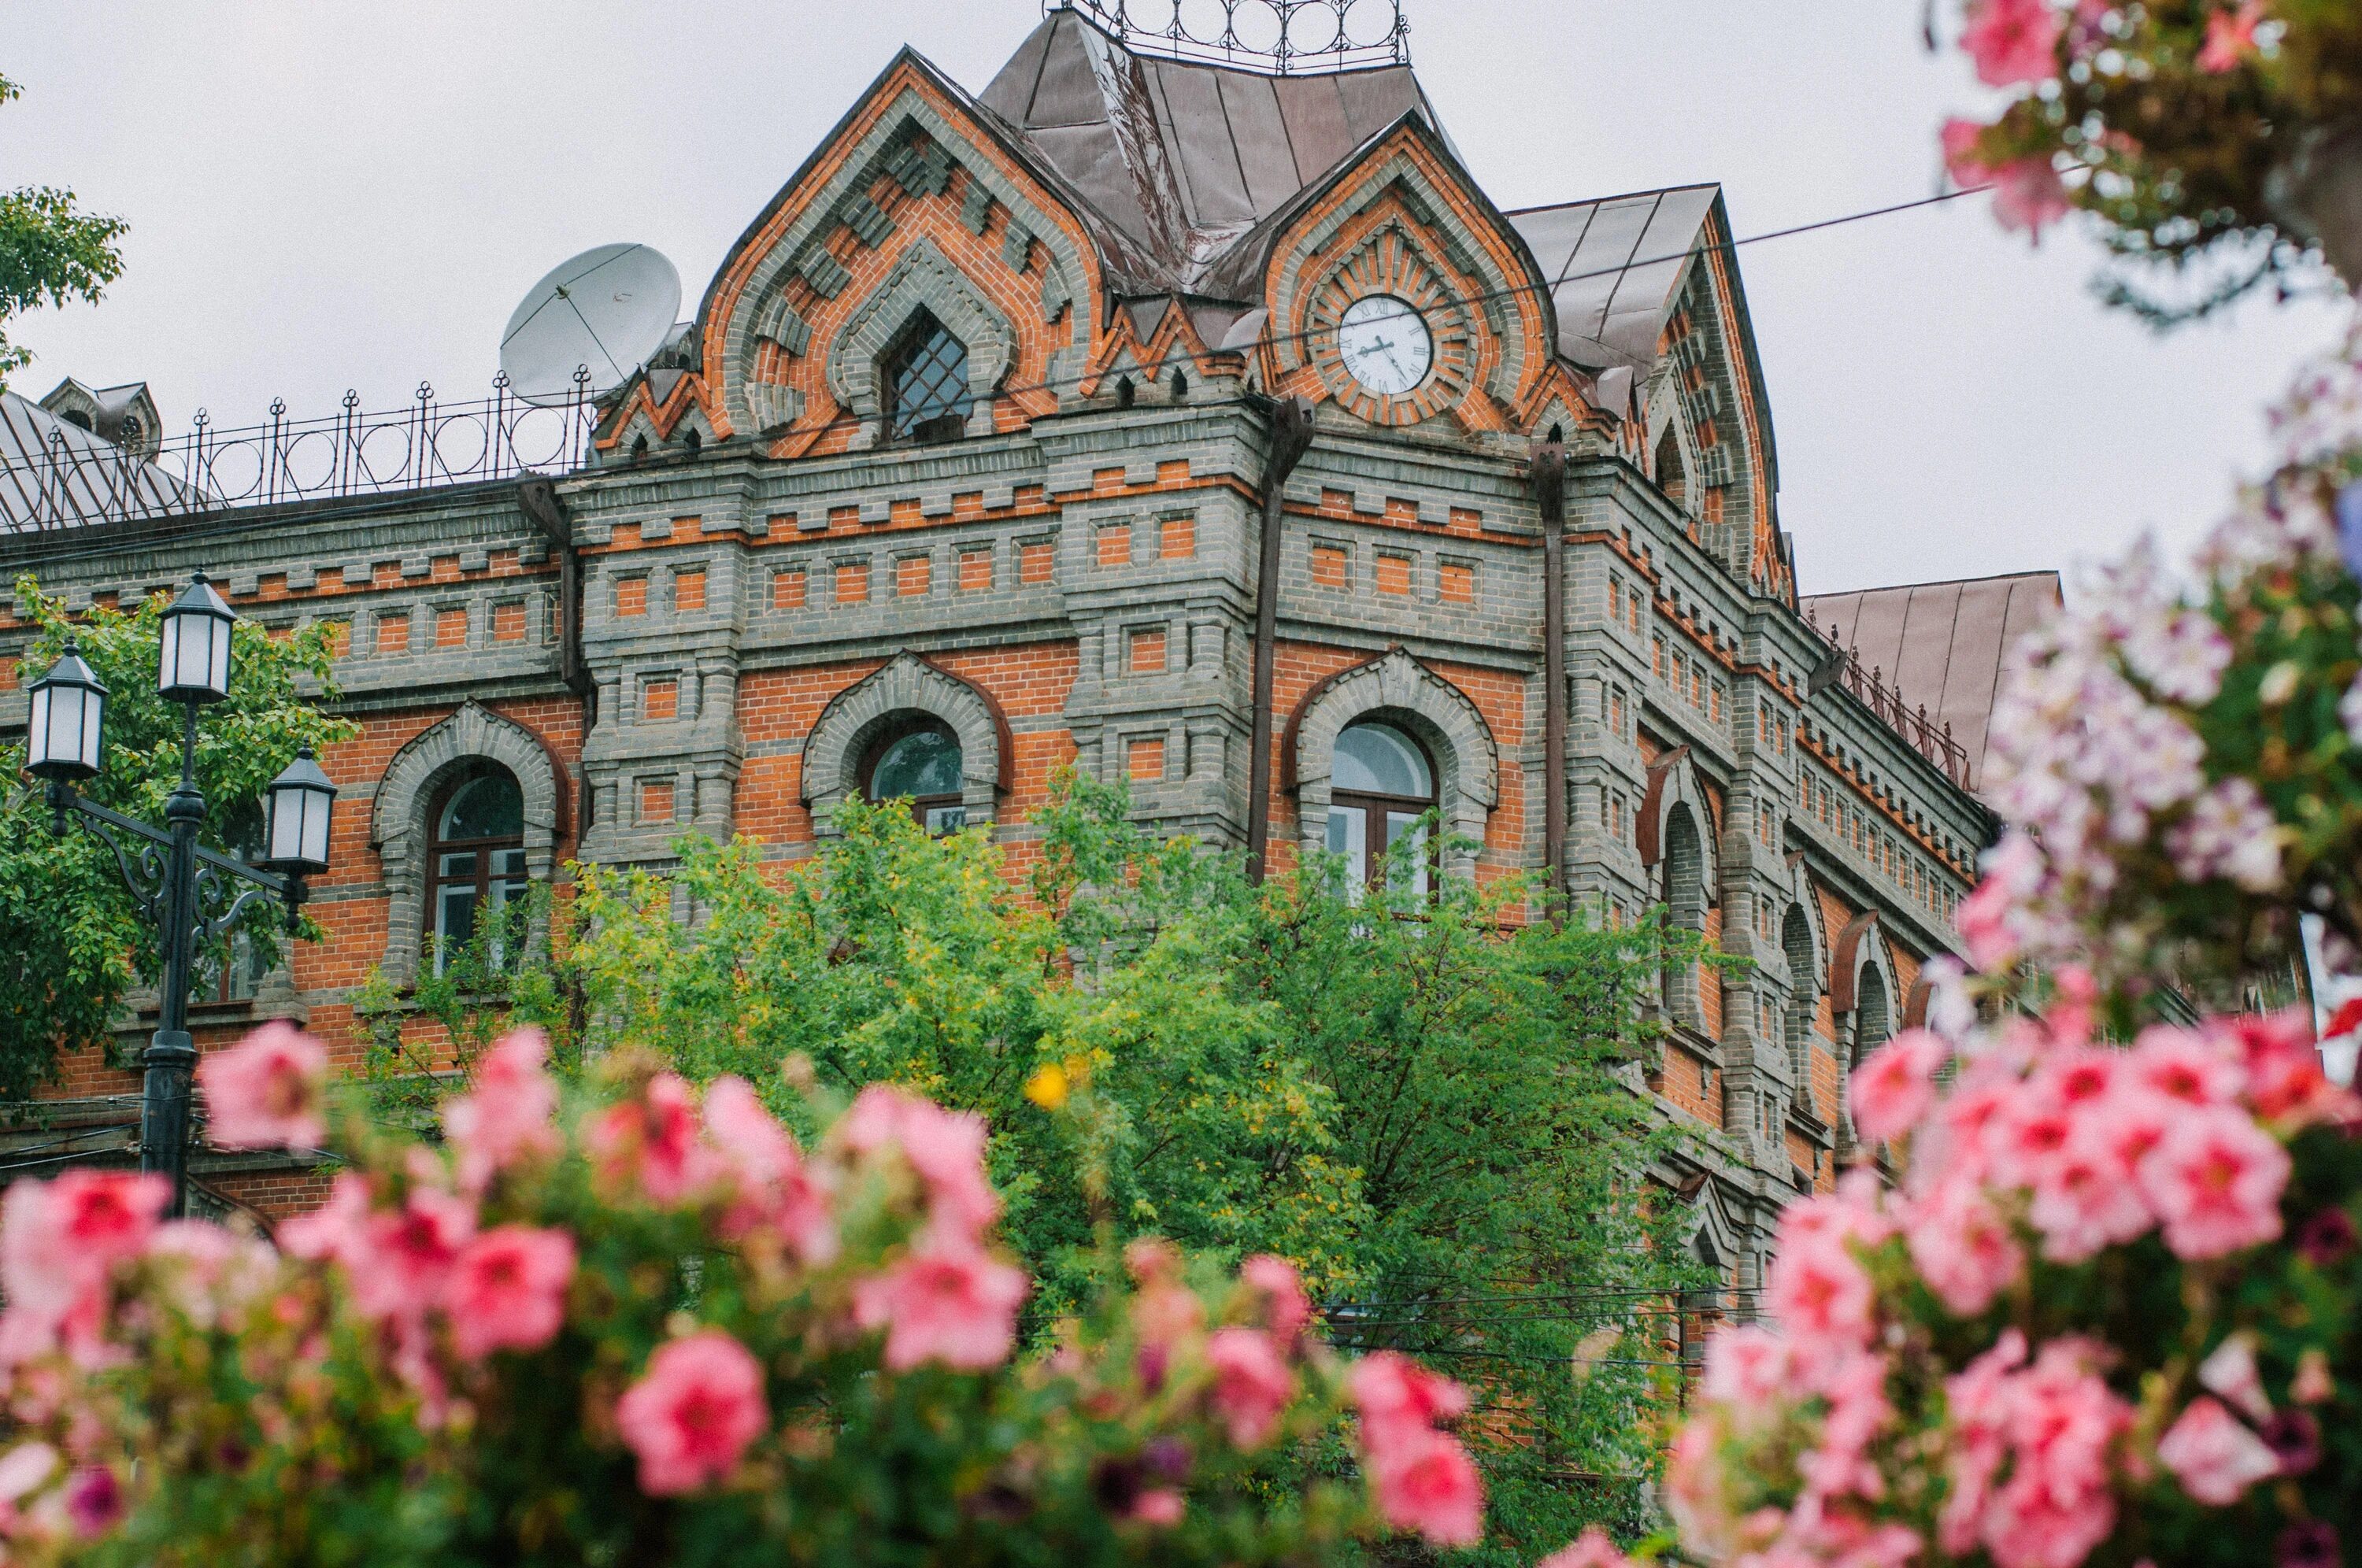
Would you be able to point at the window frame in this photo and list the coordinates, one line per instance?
(873, 756)
(485, 849)
(1377, 808)
(917, 339)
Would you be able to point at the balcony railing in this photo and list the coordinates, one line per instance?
(1922, 735)
(60, 480)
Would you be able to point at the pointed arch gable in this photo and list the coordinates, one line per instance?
(398, 824)
(913, 156)
(924, 279)
(1493, 317)
(1857, 946)
(907, 684)
(1394, 686)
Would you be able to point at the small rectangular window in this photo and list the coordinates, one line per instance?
(787, 588)
(853, 583)
(1328, 565)
(1176, 539)
(630, 596)
(689, 590)
(659, 699)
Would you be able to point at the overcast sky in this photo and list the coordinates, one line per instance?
(334, 196)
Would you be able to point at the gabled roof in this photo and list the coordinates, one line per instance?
(1613, 266)
(1185, 158)
(54, 473)
(1942, 644)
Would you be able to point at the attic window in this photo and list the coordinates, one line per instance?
(925, 381)
(1672, 477)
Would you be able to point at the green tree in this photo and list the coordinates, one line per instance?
(75, 940)
(50, 253)
(1426, 1104)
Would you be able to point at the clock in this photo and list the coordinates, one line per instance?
(1385, 345)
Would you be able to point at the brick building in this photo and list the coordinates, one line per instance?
(970, 466)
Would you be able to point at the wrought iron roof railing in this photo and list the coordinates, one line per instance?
(1283, 38)
(52, 478)
(1922, 735)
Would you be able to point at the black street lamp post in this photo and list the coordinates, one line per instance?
(192, 893)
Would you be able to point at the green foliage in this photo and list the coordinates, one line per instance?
(1430, 1110)
(50, 253)
(76, 940)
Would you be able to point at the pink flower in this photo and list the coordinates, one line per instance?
(1593, 1551)
(1977, 1401)
(58, 1240)
(2214, 1457)
(1430, 1484)
(1963, 1248)
(1821, 1295)
(1982, 917)
(1400, 1400)
(948, 1301)
(95, 1501)
(2230, 38)
(337, 1229)
(1251, 1384)
(2285, 1082)
(2028, 194)
(1746, 1366)
(2216, 1183)
(1286, 1309)
(2087, 1199)
(2185, 1066)
(692, 1414)
(2012, 42)
(1895, 1085)
(267, 1091)
(946, 1148)
(1161, 1507)
(509, 1114)
(409, 1253)
(653, 1140)
(776, 1191)
(508, 1290)
(2230, 1371)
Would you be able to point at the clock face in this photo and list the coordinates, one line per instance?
(1385, 345)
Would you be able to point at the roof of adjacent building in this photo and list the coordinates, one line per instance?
(53, 473)
(1943, 644)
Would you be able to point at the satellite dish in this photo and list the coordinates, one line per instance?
(607, 309)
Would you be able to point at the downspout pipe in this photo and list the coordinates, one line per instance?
(1549, 476)
(1291, 437)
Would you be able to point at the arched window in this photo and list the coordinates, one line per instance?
(924, 380)
(1796, 943)
(922, 764)
(1873, 1021)
(1672, 478)
(1381, 788)
(1684, 895)
(475, 860)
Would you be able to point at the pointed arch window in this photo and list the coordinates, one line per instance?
(924, 377)
(1382, 792)
(922, 764)
(1672, 475)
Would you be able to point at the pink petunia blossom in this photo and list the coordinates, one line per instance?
(2012, 42)
(1895, 1085)
(267, 1091)
(693, 1414)
(2087, 1199)
(1161, 1507)
(410, 1252)
(1746, 1365)
(2028, 194)
(1251, 1384)
(2285, 1084)
(1962, 1246)
(59, 1239)
(946, 1148)
(2229, 832)
(508, 1115)
(1593, 1551)
(2230, 39)
(1430, 1484)
(95, 1501)
(948, 1301)
(1976, 1400)
(2229, 1370)
(507, 1291)
(2216, 1183)
(776, 1191)
(653, 1142)
(2187, 1066)
(1821, 1295)
(2214, 1457)
(1399, 1400)
(1286, 1309)
(337, 1229)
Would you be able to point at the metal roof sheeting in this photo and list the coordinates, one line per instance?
(55, 474)
(1613, 265)
(1943, 644)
